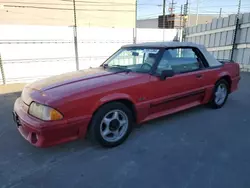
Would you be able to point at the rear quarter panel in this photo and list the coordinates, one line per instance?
(234, 72)
(211, 76)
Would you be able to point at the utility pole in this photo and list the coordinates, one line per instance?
(220, 12)
(180, 33)
(189, 12)
(197, 12)
(185, 17)
(236, 30)
(164, 18)
(181, 15)
(75, 36)
(135, 30)
(239, 6)
(171, 7)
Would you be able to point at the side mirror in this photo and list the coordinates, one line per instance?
(166, 73)
(135, 54)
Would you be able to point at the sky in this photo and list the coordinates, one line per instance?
(152, 8)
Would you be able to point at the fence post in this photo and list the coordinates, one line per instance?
(134, 35)
(75, 36)
(237, 27)
(2, 70)
(234, 38)
(135, 29)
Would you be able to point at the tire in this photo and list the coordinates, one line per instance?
(110, 121)
(215, 102)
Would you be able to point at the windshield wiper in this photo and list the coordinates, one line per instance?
(121, 67)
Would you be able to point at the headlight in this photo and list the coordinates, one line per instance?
(44, 112)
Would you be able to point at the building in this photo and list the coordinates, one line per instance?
(174, 21)
(90, 13)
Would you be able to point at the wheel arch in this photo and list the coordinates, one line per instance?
(227, 78)
(120, 98)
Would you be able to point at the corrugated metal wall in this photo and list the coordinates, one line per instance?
(217, 36)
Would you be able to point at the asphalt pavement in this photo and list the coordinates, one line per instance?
(196, 148)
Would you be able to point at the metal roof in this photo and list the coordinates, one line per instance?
(165, 44)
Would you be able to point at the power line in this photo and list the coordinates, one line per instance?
(153, 17)
(49, 18)
(109, 3)
(149, 16)
(30, 3)
(88, 4)
(98, 2)
(60, 19)
(66, 9)
(193, 11)
(217, 6)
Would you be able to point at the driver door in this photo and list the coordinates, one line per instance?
(184, 89)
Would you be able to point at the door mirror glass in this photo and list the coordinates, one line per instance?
(166, 73)
(135, 54)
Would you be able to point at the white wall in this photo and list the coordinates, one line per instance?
(33, 52)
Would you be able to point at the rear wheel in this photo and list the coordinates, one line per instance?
(111, 124)
(220, 95)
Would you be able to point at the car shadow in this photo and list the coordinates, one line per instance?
(18, 154)
(8, 127)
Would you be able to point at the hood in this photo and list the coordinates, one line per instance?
(58, 89)
(68, 78)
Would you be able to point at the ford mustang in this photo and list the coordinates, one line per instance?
(139, 82)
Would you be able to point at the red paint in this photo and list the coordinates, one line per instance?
(78, 95)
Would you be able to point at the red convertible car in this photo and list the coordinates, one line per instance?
(138, 83)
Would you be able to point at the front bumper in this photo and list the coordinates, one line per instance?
(47, 133)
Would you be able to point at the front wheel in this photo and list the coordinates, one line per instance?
(220, 95)
(111, 124)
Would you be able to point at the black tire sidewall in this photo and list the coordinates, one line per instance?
(96, 123)
(213, 103)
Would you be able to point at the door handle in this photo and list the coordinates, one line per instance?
(199, 75)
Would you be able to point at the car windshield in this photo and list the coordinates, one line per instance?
(133, 59)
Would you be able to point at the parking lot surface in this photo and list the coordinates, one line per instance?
(196, 148)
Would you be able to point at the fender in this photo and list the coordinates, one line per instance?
(110, 98)
(223, 73)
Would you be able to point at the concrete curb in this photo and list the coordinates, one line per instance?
(11, 88)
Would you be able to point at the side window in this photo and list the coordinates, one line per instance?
(180, 60)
